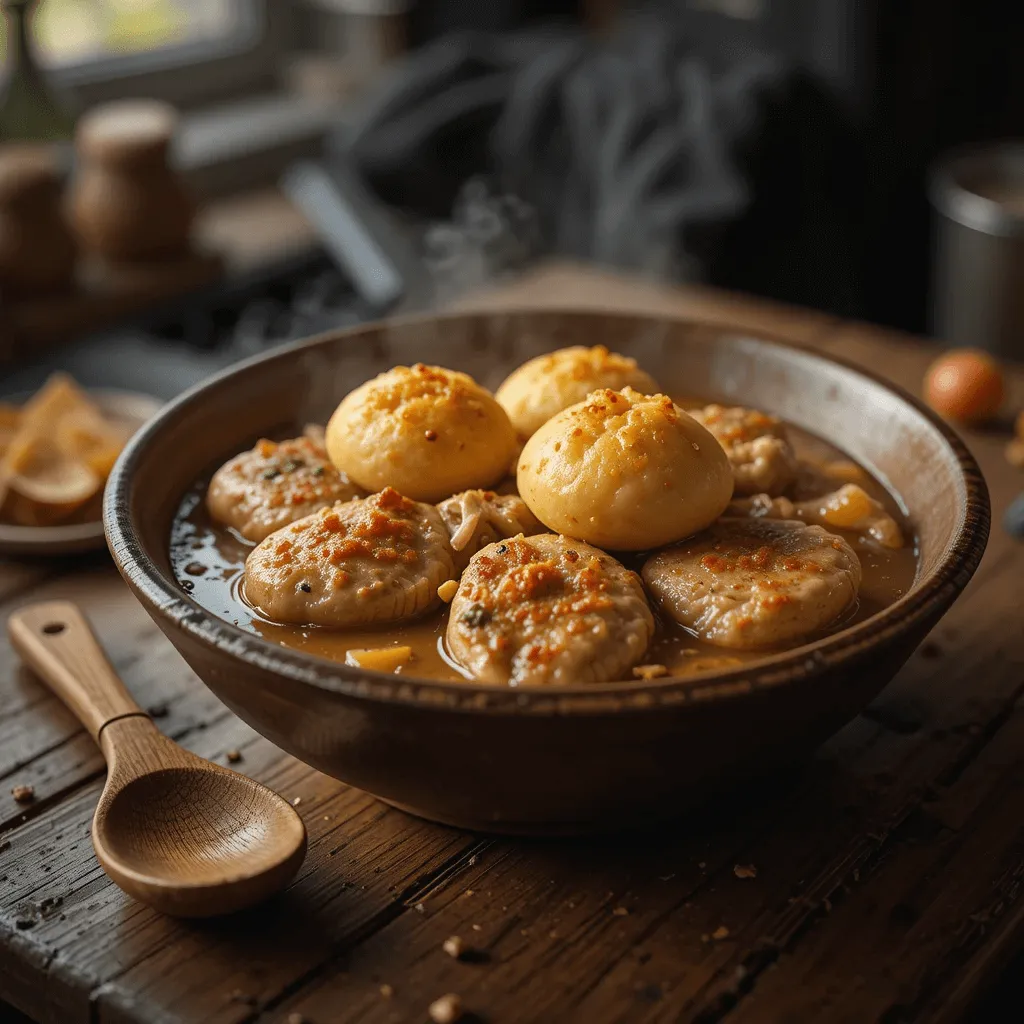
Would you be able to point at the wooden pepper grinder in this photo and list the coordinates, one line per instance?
(128, 204)
(37, 250)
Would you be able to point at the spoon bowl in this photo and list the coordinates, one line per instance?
(186, 836)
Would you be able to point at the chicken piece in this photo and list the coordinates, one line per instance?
(274, 484)
(755, 583)
(375, 559)
(478, 518)
(544, 386)
(849, 508)
(761, 456)
(548, 610)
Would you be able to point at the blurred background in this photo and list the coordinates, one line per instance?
(224, 175)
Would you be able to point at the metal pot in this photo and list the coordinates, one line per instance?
(977, 289)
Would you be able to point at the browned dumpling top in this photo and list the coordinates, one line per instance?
(548, 610)
(274, 484)
(755, 583)
(375, 559)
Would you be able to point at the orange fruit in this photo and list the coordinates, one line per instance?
(965, 385)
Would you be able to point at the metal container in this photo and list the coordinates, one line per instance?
(977, 287)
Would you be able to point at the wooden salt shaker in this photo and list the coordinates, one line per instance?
(37, 250)
(128, 204)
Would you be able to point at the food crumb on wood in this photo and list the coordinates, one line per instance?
(387, 991)
(621, 912)
(477, 928)
(26, 916)
(721, 932)
(472, 860)
(234, 756)
(745, 871)
(649, 671)
(23, 794)
(446, 1010)
(454, 947)
(448, 590)
(420, 909)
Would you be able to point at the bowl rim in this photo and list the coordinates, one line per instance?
(167, 602)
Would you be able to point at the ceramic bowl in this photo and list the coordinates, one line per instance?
(574, 759)
(125, 407)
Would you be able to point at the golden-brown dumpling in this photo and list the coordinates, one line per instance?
(423, 430)
(625, 471)
(543, 387)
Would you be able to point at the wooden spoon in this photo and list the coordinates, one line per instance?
(184, 835)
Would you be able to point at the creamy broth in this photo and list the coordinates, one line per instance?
(208, 561)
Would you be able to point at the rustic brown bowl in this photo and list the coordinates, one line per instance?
(573, 759)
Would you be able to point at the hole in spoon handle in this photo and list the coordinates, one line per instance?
(56, 641)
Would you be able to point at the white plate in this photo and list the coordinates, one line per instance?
(125, 407)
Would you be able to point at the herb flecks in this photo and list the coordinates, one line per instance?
(476, 615)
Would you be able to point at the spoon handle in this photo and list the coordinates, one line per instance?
(56, 641)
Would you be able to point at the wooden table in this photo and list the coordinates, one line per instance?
(883, 883)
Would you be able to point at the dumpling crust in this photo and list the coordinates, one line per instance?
(756, 583)
(274, 484)
(375, 559)
(546, 385)
(426, 431)
(548, 610)
(625, 471)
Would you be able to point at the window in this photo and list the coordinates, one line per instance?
(106, 49)
(75, 31)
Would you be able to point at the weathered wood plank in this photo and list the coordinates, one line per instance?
(363, 857)
(903, 834)
(41, 743)
(552, 908)
(922, 917)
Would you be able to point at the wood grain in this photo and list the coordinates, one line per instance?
(54, 639)
(888, 871)
(173, 830)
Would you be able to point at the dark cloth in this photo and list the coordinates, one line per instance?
(647, 153)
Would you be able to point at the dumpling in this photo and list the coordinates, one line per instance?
(426, 431)
(375, 559)
(543, 387)
(625, 471)
(274, 484)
